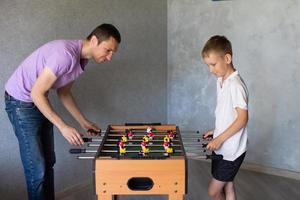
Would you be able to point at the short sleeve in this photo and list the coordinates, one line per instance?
(59, 63)
(239, 96)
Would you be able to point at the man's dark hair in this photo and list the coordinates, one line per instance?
(104, 32)
(217, 43)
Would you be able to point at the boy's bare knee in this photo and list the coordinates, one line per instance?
(213, 192)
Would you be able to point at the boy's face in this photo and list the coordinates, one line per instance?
(218, 64)
(104, 51)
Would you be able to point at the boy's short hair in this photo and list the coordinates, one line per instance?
(217, 43)
(104, 32)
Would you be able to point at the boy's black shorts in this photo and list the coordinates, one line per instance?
(224, 170)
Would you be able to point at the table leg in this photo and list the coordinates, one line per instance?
(176, 197)
(106, 197)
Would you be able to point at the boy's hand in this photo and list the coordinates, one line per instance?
(214, 144)
(208, 135)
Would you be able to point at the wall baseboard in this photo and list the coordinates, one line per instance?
(267, 170)
(271, 170)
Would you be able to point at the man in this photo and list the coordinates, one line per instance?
(55, 65)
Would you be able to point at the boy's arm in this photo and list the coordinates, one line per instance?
(66, 97)
(38, 94)
(238, 124)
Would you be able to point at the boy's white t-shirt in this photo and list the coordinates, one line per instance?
(231, 94)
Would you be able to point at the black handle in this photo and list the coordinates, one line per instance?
(208, 137)
(94, 131)
(76, 151)
(85, 139)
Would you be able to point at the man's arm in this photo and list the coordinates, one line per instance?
(38, 94)
(66, 97)
(238, 124)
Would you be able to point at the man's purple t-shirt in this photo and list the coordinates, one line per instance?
(61, 56)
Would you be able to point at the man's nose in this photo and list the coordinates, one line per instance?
(109, 56)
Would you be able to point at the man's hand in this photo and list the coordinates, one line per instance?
(88, 125)
(72, 135)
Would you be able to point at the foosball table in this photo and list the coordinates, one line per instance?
(140, 159)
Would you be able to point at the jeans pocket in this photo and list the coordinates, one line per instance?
(26, 105)
(29, 116)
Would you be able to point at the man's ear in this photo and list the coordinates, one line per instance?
(228, 58)
(94, 41)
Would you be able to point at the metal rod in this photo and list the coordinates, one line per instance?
(136, 135)
(116, 140)
(85, 157)
(137, 145)
(77, 151)
(93, 145)
(190, 131)
(136, 151)
(141, 131)
(86, 139)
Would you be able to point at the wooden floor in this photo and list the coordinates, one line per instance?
(250, 185)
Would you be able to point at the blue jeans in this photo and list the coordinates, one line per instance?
(36, 144)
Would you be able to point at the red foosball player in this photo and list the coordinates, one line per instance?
(167, 142)
(129, 134)
(121, 144)
(144, 144)
(122, 149)
(145, 149)
(150, 135)
(171, 134)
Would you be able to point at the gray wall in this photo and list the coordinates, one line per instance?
(134, 86)
(131, 88)
(266, 45)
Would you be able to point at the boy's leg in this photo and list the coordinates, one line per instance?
(216, 189)
(230, 191)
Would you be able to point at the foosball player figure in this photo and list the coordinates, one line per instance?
(146, 138)
(169, 150)
(122, 149)
(149, 129)
(124, 138)
(150, 135)
(129, 134)
(171, 134)
(166, 143)
(121, 144)
(145, 149)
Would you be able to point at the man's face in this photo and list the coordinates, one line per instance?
(105, 50)
(217, 63)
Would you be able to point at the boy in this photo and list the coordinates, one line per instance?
(230, 132)
(55, 65)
